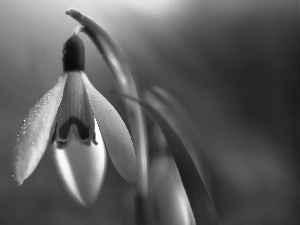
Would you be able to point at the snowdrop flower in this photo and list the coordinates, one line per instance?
(79, 124)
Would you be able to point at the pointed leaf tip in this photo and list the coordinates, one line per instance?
(34, 133)
(115, 134)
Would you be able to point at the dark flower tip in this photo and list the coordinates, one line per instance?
(73, 54)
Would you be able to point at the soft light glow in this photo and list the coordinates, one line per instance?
(153, 7)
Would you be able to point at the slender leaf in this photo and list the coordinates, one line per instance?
(202, 206)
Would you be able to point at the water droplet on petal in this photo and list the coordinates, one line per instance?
(34, 133)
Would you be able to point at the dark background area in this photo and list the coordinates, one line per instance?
(231, 64)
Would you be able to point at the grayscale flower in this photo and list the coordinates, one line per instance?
(80, 125)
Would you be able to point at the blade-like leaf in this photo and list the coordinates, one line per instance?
(35, 131)
(115, 134)
(167, 195)
(180, 121)
(202, 206)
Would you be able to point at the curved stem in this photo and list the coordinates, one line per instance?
(126, 83)
(77, 30)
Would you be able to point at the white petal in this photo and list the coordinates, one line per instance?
(115, 134)
(82, 167)
(35, 131)
(75, 113)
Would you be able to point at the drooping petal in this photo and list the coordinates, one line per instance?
(75, 114)
(35, 131)
(115, 134)
(82, 167)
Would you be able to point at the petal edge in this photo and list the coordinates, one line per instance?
(34, 133)
(115, 133)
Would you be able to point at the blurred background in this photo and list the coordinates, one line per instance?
(231, 65)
